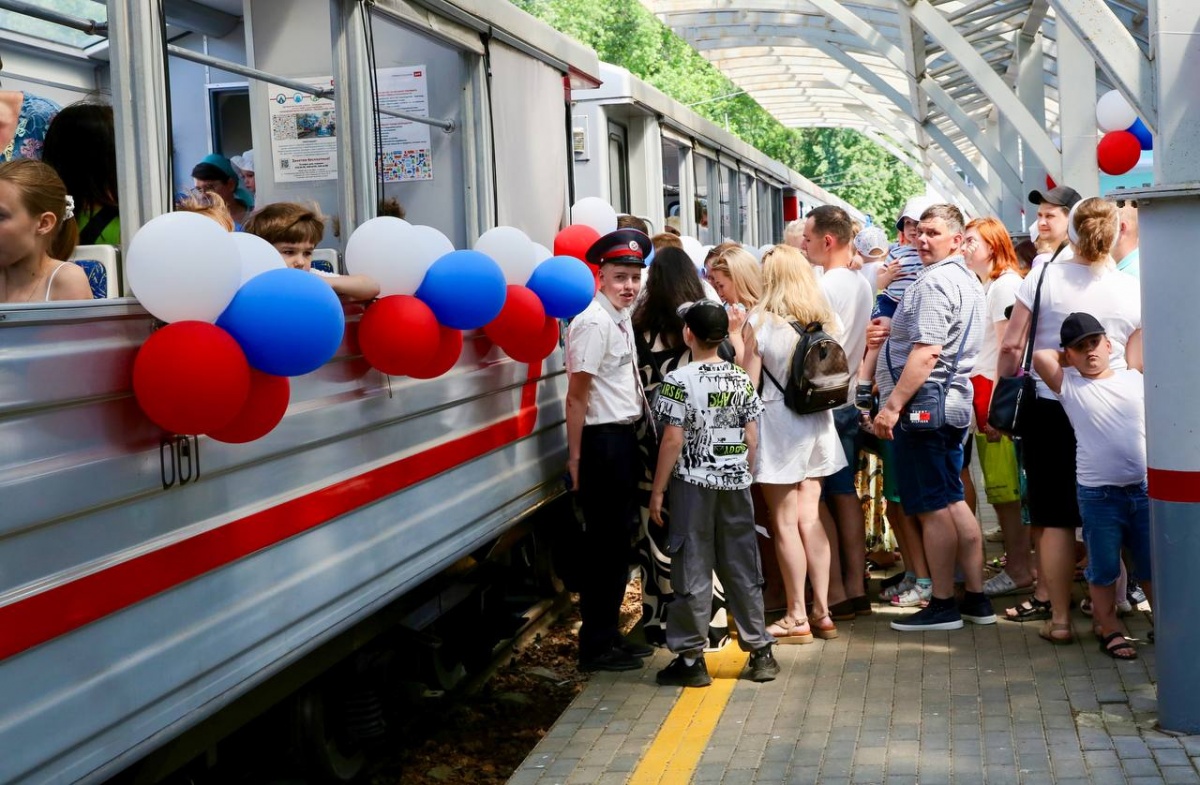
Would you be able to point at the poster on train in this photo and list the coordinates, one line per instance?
(407, 154)
(303, 133)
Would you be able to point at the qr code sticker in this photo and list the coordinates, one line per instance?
(285, 163)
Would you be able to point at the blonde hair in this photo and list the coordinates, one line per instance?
(666, 240)
(1096, 224)
(287, 222)
(206, 204)
(41, 191)
(790, 290)
(739, 265)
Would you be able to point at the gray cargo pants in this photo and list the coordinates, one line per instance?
(713, 529)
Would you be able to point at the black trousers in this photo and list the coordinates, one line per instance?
(609, 469)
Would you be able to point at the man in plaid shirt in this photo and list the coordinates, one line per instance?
(935, 335)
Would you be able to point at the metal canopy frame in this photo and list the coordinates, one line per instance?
(937, 82)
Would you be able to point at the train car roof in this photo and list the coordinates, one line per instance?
(618, 86)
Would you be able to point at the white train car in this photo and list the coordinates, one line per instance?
(649, 155)
(147, 580)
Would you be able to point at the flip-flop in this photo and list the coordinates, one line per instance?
(787, 631)
(1002, 585)
(1048, 629)
(1124, 645)
(1032, 609)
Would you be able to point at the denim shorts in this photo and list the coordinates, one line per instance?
(1115, 516)
(929, 468)
(845, 419)
(885, 307)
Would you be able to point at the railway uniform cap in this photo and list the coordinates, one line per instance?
(707, 320)
(913, 209)
(1078, 326)
(624, 246)
(1061, 195)
(872, 242)
(244, 162)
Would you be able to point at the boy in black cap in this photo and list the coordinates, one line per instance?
(604, 404)
(709, 410)
(1107, 411)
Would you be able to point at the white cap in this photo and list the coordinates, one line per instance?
(244, 162)
(871, 242)
(913, 209)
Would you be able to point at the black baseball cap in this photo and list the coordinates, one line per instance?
(1061, 195)
(624, 246)
(1078, 326)
(706, 319)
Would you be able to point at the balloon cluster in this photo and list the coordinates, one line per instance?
(238, 323)
(1125, 137)
(507, 285)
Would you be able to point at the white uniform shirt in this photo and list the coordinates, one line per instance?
(600, 342)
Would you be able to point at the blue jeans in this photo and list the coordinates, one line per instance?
(1115, 516)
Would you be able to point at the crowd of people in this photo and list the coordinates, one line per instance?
(674, 406)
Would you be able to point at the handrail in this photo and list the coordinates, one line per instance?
(89, 26)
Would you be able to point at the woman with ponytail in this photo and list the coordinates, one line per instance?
(38, 234)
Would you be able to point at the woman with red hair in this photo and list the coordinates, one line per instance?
(989, 253)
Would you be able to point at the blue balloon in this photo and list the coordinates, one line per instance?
(288, 322)
(1142, 133)
(465, 289)
(564, 284)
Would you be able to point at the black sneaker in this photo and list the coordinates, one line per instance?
(864, 399)
(763, 666)
(633, 648)
(977, 610)
(1136, 595)
(680, 674)
(933, 617)
(612, 660)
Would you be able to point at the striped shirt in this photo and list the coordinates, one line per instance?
(936, 310)
(910, 268)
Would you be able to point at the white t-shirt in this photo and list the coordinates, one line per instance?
(1001, 293)
(600, 342)
(1109, 418)
(849, 295)
(870, 272)
(1067, 254)
(1115, 299)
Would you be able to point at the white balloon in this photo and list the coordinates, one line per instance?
(257, 255)
(378, 250)
(1113, 112)
(541, 253)
(512, 249)
(694, 250)
(184, 267)
(755, 252)
(596, 213)
(763, 249)
(426, 246)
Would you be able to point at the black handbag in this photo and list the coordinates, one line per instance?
(1007, 410)
(926, 409)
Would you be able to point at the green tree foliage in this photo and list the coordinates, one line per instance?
(843, 161)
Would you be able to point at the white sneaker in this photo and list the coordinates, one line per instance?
(916, 596)
(895, 591)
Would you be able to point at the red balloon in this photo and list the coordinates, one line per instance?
(575, 240)
(449, 347)
(1050, 182)
(521, 316)
(595, 268)
(264, 408)
(1118, 152)
(398, 333)
(191, 377)
(536, 347)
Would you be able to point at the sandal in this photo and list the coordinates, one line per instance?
(1032, 609)
(1001, 584)
(1048, 629)
(785, 631)
(1110, 648)
(827, 632)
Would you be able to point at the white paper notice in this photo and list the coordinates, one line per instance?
(407, 153)
(303, 133)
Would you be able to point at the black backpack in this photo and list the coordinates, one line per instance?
(819, 378)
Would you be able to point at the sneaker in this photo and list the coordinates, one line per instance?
(978, 612)
(1136, 595)
(612, 660)
(633, 648)
(1124, 607)
(763, 666)
(864, 398)
(934, 617)
(994, 535)
(680, 674)
(917, 596)
(897, 589)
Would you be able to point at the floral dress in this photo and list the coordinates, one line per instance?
(655, 360)
(35, 117)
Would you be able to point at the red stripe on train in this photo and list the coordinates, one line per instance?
(1173, 486)
(57, 611)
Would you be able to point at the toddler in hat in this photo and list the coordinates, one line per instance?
(1107, 410)
(709, 411)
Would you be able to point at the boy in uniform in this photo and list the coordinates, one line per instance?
(709, 410)
(604, 403)
(1107, 410)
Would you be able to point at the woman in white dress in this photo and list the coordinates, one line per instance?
(795, 451)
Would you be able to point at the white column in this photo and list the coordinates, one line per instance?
(1077, 113)
(1031, 88)
(1005, 139)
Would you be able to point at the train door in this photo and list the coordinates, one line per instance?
(707, 208)
(746, 226)
(728, 225)
(618, 167)
(678, 189)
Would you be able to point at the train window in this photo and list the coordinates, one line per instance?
(51, 31)
(229, 110)
(706, 173)
(674, 165)
(765, 213)
(745, 207)
(618, 168)
(729, 206)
